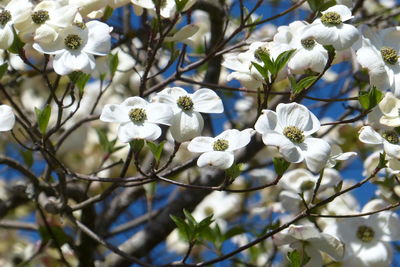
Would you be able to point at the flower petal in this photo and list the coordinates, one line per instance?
(186, 125)
(393, 150)
(267, 122)
(147, 131)
(294, 114)
(237, 139)
(289, 151)
(369, 136)
(207, 101)
(330, 245)
(7, 118)
(159, 113)
(219, 159)
(99, 39)
(316, 153)
(201, 144)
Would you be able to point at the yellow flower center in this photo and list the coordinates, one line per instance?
(307, 185)
(5, 16)
(331, 19)
(308, 43)
(221, 145)
(40, 16)
(294, 134)
(185, 103)
(137, 115)
(389, 55)
(391, 137)
(73, 41)
(365, 233)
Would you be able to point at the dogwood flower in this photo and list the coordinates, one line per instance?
(289, 129)
(187, 121)
(329, 29)
(389, 140)
(167, 7)
(378, 52)
(390, 106)
(218, 151)
(76, 46)
(338, 154)
(45, 21)
(138, 119)
(7, 118)
(16, 11)
(306, 239)
(367, 238)
(309, 55)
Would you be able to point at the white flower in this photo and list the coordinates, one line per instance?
(390, 108)
(309, 55)
(389, 140)
(245, 72)
(289, 129)
(305, 238)
(167, 7)
(7, 118)
(367, 238)
(16, 11)
(218, 151)
(378, 52)
(187, 122)
(137, 118)
(183, 35)
(87, 6)
(46, 19)
(338, 154)
(329, 29)
(76, 46)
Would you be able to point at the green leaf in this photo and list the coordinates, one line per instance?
(136, 145)
(80, 80)
(294, 258)
(3, 69)
(304, 83)
(180, 4)
(156, 149)
(17, 44)
(261, 70)
(56, 231)
(382, 161)
(182, 227)
(107, 13)
(370, 99)
(114, 60)
(282, 60)
(192, 221)
(43, 117)
(280, 165)
(27, 156)
(320, 5)
(103, 140)
(234, 171)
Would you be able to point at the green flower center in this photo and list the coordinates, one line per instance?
(221, 145)
(391, 137)
(389, 55)
(308, 43)
(80, 24)
(73, 41)
(137, 115)
(331, 19)
(5, 16)
(185, 103)
(307, 185)
(365, 233)
(294, 134)
(260, 51)
(208, 210)
(40, 16)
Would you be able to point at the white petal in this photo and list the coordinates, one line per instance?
(378, 255)
(129, 131)
(207, 101)
(159, 113)
(135, 102)
(236, 139)
(294, 114)
(51, 48)
(267, 122)
(315, 257)
(342, 10)
(68, 62)
(324, 35)
(305, 59)
(7, 118)
(289, 151)
(316, 153)
(186, 125)
(370, 136)
(6, 36)
(201, 144)
(303, 232)
(330, 245)
(183, 33)
(218, 159)
(63, 16)
(391, 37)
(345, 155)
(114, 113)
(347, 36)
(393, 150)
(99, 39)
(389, 223)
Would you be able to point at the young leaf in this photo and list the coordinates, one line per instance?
(137, 145)
(280, 165)
(382, 161)
(304, 83)
(180, 4)
(43, 117)
(234, 171)
(182, 227)
(3, 69)
(17, 44)
(261, 70)
(282, 60)
(370, 99)
(113, 63)
(156, 149)
(294, 258)
(103, 140)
